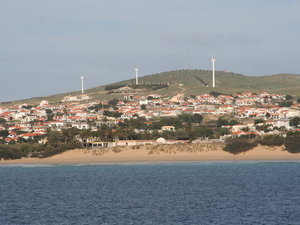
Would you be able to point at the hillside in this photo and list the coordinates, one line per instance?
(194, 82)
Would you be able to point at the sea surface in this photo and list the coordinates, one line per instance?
(180, 193)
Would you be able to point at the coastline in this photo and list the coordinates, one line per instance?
(160, 153)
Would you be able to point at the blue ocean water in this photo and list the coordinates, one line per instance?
(203, 193)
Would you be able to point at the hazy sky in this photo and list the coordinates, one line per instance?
(45, 45)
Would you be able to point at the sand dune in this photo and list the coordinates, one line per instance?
(190, 152)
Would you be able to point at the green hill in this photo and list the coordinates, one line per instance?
(194, 82)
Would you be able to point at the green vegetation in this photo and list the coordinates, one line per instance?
(27, 106)
(285, 103)
(4, 133)
(194, 118)
(295, 122)
(111, 113)
(223, 122)
(153, 87)
(2, 121)
(113, 87)
(239, 145)
(98, 106)
(242, 144)
(288, 97)
(113, 102)
(292, 142)
(168, 121)
(215, 94)
(10, 152)
(271, 140)
(57, 142)
(257, 121)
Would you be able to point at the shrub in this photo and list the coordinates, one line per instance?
(258, 121)
(271, 140)
(153, 87)
(285, 104)
(113, 87)
(294, 122)
(288, 97)
(239, 145)
(8, 152)
(292, 142)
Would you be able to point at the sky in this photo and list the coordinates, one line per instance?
(45, 46)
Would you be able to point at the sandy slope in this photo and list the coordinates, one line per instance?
(194, 152)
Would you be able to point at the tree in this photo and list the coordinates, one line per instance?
(221, 132)
(239, 145)
(143, 107)
(168, 121)
(8, 152)
(298, 100)
(4, 133)
(233, 122)
(48, 111)
(69, 135)
(197, 118)
(27, 106)
(285, 104)
(294, 122)
(105, 133)
(54, 138)
(168, 134)
(264, 127)
(222, 122)
(50, 114)
(245, 129)
(288, 97)
(112, 114)
(2, 121)
(85, 133)
(258, 121)
(150, 97)
(113, 102)
(138, 123)
(204, 132)
(215, 94)
(58, 142)
(271, 140)
(292, 142)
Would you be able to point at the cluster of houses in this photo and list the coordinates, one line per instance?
(31, 122)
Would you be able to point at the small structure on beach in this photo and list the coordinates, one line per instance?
(161, 141)
(98, 144)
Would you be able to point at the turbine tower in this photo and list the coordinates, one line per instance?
(82, 90)
(213, 60)
(136, 76)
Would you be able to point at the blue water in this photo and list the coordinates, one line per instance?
(204, 193)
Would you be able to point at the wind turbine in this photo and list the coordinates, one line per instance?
(136, 76)
(213, 60)
(82, 90)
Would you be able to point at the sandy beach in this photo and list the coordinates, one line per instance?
(163, 153)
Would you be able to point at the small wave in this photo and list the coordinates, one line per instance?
(28, 165)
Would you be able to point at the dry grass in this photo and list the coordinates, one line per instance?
(184, 148)
(96, 151)
(117, 149)
(159, 149)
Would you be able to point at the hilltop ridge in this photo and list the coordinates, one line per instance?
(193, 82)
